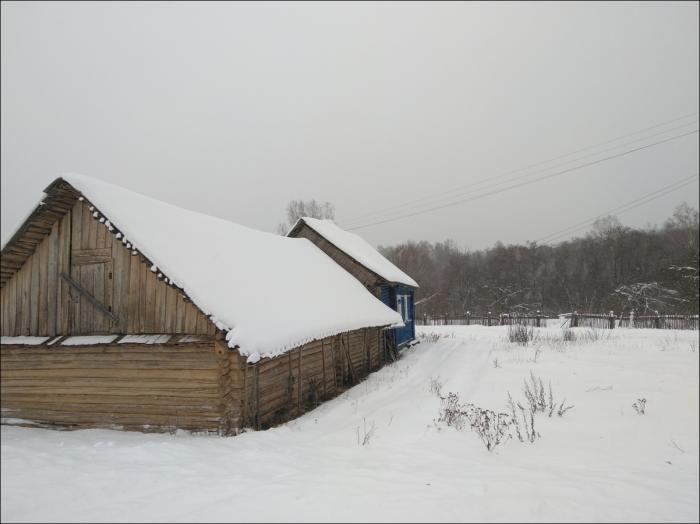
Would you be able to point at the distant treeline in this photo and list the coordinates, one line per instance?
(612, 268)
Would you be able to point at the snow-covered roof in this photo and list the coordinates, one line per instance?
(270, 293)
(359, 249)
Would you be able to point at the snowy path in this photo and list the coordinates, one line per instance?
(600, 461)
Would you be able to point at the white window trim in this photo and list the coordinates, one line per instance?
(402, 307)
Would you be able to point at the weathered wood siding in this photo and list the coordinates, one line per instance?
(37, 300)
(370, 279)
(132, 386)
(194, 385)
(281, 388)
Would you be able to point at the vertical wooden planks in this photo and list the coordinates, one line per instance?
(33, 311)
(87, 278)
(171, 310)
(124, 279)
(101, 240)
(100, 321)
(105, 284)
(180, 313)
(323, 367)
(159, 305)
(109, 293)
(76, 243)
(119, 284)
(133, 299)
(64, 305)
(150, 311)
(143, 313)
(5, 297)
(77, 227)
(190, 318)
(202, 323)
(52, 280)
(42, 307)
(91, 225)
(12, 302)
(300, 380)
(24, 278)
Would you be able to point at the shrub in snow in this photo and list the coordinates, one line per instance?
(520, 334)
(640, 406)
(495, 428)
(491, 427)
(563, 409)
(429, 337)
(536, 399)
(452, 412)
(534, 393)
(514, 418)
(436, 386)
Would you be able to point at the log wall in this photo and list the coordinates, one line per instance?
(131, 386)
(281, 388)
(202, 386)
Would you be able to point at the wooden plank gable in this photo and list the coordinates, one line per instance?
(98, 267)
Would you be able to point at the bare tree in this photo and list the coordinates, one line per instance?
(648, 296)
(297, 209)
(607, 226)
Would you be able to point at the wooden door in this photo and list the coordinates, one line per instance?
(91, 287)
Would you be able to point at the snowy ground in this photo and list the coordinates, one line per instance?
(600, 462)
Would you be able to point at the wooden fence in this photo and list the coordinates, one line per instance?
(575, 319)
(476, 320)
(660, 322)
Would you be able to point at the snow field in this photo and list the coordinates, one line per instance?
(600, 462)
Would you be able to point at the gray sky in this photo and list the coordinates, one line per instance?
(234, 109)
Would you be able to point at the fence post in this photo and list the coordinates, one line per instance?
(538, 316)
(611, 320)
(574, 319)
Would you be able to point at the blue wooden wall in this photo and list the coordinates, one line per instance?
(401, 298)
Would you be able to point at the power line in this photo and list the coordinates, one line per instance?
(450, 192)
(646, 198)
(521, 184)
(658, 193)
(495, 183)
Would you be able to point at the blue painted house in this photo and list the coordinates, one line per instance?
(382, 278)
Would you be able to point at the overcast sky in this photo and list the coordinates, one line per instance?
(234, 109)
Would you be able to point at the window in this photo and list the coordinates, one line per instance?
(403, 307)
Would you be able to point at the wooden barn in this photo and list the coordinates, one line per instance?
(118, 310)
(382, 278)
